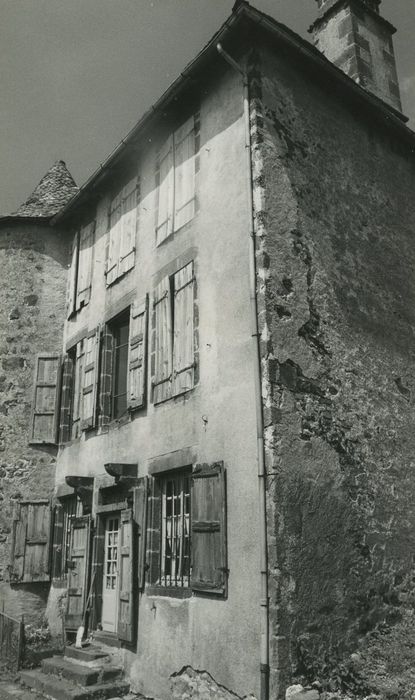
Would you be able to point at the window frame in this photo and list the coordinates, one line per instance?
(74, 305)
(117, 230)
(117, 323)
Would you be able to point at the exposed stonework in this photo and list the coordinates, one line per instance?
(189, 684)
(54, 190)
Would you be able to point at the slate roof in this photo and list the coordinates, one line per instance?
(54, 190)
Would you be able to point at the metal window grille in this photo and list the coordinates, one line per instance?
(72, 509)
(175, 551)
(111, 553)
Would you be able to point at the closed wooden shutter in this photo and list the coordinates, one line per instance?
(140, 516)
(30, 544)
(86, 247)
(89, 390)
(114, 239)
(184, 173)
(126, 578)
(128, 226)
(105, 390)
(162, 377)
(57, 546)
(72, 277)
(209, 556)
(77, 389)
(44, 420)
(183, 343)
(66, 399)
(136, 389)
(78, 570)
(165, 191)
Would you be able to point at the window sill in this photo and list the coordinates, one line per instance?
(117, 279)
(168, 591)
(177, 396)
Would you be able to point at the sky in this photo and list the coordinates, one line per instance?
(76, 75)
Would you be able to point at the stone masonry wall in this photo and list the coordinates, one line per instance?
(33, 264)
(335, 222)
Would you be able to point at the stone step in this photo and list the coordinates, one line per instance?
(108, 638)
(79, 673)
(91, 655)
(63, 689)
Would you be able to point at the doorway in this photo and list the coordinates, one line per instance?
(110, 582)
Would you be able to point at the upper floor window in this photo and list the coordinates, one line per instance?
(80, 272)
(173, 346)
(176, 178)
(120, 330)
(123, 222)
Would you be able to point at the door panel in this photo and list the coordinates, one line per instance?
(78, 571)
(110, 574)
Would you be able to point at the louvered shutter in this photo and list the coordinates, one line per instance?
(140, 517)
(209, 556)
(44, 420)
(126, 578)
(66, 399)
(184, 173)
(78, 569)
(86, 246)
(128, 226)
(183, 343)
(165, 190)
(57, 541)
(114, 240)
(90, 382)
(105, 390)
(136, 389)
(30, 545)
(162, 377)
(73, 276)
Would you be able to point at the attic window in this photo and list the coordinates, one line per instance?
(122, 224)
(80, 271)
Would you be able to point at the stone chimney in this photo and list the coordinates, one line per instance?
(356, 38)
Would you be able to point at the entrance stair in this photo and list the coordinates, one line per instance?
(80, 674)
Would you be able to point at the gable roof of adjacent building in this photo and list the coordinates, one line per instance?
(244, 18)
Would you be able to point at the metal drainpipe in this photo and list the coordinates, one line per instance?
(264, 603)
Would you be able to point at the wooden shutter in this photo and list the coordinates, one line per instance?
(77, 389)
(57, 553)
(126, 578)
(44, 420)
(114, 240)
(73, 276)
(86, 247)
(66, 399)
(184, 173)
(128, 226)
(165, 190)
(105, 390)
(136, 389)
(162, 342)
(140, 516)
(78, 569)
(209, 557)
(183, 342)
(89, 390)
(30, 544)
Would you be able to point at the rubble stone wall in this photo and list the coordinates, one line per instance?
(33, 264)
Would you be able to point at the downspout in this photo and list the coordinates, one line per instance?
(264, 602)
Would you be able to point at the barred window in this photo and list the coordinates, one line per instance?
(175, 536)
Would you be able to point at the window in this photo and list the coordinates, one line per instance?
(174, 347)
(175, 531)
(175, 179)
(120, 330)
(64, 514)
(123, 223)
(80, 271)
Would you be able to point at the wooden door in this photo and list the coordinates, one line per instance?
(78, 571)
(110, 583)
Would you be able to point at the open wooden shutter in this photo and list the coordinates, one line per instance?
(66, 399)
(140, 517)
(114, 240)
(126, 578)
(72, 277)
(78, 568)
(86, 247)
(128, 226)
(57, 541)
(184, 173)
(44, 420)
(165, 189)
(90, 383)
(30, 544)
(209, 556)
(183, 344)
(136, 390)
(162, 375)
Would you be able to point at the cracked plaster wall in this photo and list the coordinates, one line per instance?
(335, 221)
(33, 261)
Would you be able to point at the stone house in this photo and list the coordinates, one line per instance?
(234, 417)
